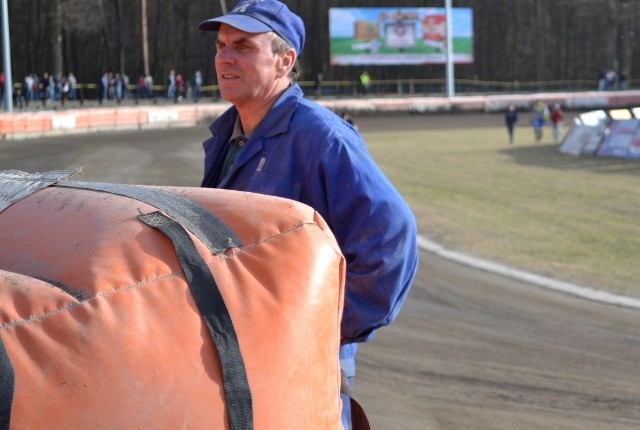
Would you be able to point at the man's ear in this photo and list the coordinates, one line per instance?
(287, 60)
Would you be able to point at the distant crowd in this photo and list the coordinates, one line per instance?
(46, 88)
(609, 80)
(116, 87)
(60, 88)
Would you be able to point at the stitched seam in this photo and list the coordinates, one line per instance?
(39, 317)
(246, 248)
(236, 252)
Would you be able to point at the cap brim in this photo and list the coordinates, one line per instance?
(241, 22)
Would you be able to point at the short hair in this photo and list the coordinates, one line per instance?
(278, 46)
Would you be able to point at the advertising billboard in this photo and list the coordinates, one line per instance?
(394, 36)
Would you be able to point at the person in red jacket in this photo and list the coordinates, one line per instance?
(557, 118)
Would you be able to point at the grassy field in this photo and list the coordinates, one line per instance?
(575, 219)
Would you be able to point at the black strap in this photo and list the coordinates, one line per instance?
(7, 382)
(205, 292)
(210, 229)
(359, 420)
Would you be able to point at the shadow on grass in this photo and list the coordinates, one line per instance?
(548, 155)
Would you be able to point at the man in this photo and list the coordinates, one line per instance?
(273, 141)
(510, 118)
(365, 81)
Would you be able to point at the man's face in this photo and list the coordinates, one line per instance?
(247, 69)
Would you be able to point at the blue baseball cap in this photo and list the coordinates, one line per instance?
(262, 16)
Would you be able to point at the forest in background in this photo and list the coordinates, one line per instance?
(514, 40)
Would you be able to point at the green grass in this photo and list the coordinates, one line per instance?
(575, 219)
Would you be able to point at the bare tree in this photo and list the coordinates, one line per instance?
(525, 40)
(145, 37)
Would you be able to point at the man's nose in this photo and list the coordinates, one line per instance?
(225, 55)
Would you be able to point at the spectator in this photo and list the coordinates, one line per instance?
(179, 87)
(118, 85)
(73, 86)
(51, 88)
(610, 79)
(29, 83)
(275, 141)
(141, 88)
(148, 83)
(36, 87)
(540, 118)
(20, 99)
(104, 86)
(602, 80)
(622, 81)
(510, 118)
(171, 85)
(318, 84)
(365, 82)
(125, 84)
(197, 86)
(65, 89)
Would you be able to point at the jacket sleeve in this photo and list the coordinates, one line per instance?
(376, 231)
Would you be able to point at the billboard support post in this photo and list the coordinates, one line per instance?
(450, 78)
(6, 46)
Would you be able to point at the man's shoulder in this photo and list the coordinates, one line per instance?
(321, 125)
(311, 112)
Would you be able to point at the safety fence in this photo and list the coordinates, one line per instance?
(24, 125)
(111, 116)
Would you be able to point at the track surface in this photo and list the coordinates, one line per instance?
(470, 350)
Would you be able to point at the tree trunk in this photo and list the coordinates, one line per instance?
(58, 66)
(145, 37)
(610, 35)
(122, 59)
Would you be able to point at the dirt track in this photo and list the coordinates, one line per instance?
(469, 351)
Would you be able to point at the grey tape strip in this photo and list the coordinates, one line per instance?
(214, 233)
(16, 185)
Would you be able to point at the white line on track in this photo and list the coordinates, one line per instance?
(551, 284)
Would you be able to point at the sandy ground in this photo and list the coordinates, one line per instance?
(470, 350)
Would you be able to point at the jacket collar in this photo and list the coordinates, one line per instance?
(275, 122)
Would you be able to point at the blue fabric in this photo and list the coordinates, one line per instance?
(348, 358)
(348, 366)
(305, 152)
(346, 407)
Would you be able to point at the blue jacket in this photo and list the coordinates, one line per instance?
(305, 152)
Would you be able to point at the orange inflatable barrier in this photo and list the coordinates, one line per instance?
(164, 308)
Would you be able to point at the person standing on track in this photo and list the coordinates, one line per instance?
(557, 118)
(540, 118)
(274, 141)
(510, 118)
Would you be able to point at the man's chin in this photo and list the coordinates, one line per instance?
(227, 95)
